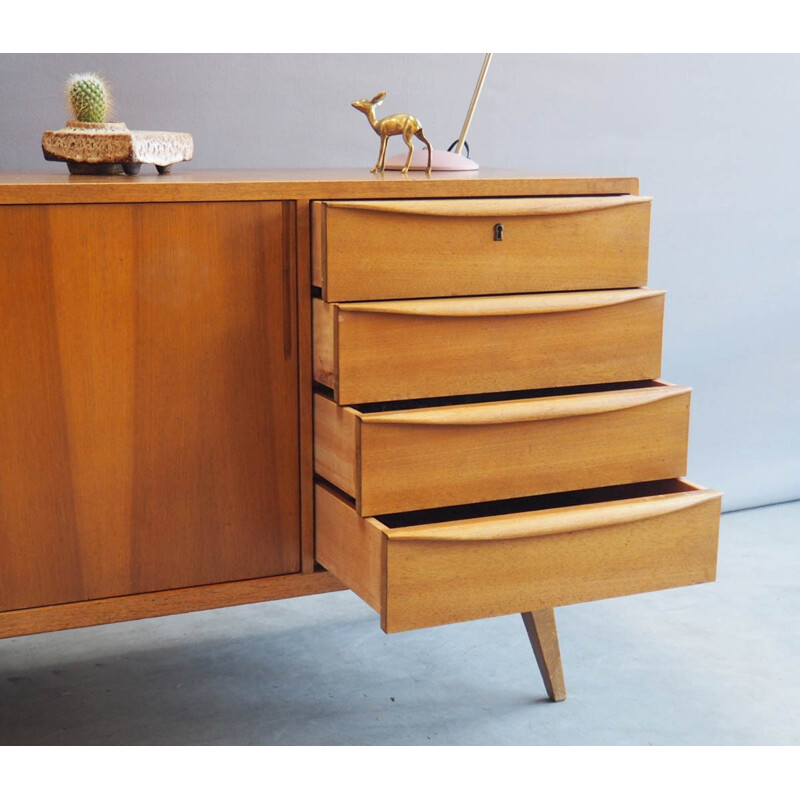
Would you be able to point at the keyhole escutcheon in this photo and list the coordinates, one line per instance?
(498, 232)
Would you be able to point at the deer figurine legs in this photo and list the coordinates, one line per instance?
(408, 138)
(421, 136)
(381, 155)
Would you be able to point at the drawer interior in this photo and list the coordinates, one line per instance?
(491, 397)
(520, 505)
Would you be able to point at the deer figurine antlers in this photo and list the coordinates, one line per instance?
(403, 124)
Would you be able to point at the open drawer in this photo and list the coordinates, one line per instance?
(413, 454)
(394, 350)
(427, 568)
(389, 249)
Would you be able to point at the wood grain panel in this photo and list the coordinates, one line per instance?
(440, 248)
(437, 348)
(94, 274)
(216, 432)
(39, 544)
(149, 422)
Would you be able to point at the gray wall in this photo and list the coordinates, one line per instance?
(713, 139)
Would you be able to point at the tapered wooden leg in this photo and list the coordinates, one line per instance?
(541, 627)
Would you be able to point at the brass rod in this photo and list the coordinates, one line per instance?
(475, 96)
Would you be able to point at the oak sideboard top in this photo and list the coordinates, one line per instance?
(19, 188)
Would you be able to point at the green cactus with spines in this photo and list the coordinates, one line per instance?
(89, 97)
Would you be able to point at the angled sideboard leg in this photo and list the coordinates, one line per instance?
(541, 628)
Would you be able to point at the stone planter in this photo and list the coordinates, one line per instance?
(108, 148)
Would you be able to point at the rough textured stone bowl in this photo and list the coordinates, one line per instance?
(108, 148)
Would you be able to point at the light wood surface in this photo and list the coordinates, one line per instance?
(507, 306)
(190, 185)
(324, 337)
(40, 551)
(543, 635)
(488, 207)
(159, 604)
(337, 444)
(351, 547)
(469, 569)
(428, 457)
(370, 352)
(148, 388)
(441, 248)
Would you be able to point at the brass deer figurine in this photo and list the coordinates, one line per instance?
(403, 124)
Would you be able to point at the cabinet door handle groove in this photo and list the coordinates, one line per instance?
(289, 256)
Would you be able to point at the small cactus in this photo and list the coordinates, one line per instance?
(89, 97)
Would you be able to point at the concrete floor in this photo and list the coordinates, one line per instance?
(713, 664)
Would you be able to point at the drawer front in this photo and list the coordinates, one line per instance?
(431, 457)
(370, 352)
(374, 250)
(420, 575)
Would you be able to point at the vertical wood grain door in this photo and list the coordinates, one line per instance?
(148, 398)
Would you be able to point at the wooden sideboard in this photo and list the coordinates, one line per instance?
(443, 393)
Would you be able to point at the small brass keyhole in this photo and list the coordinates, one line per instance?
(498, 232)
